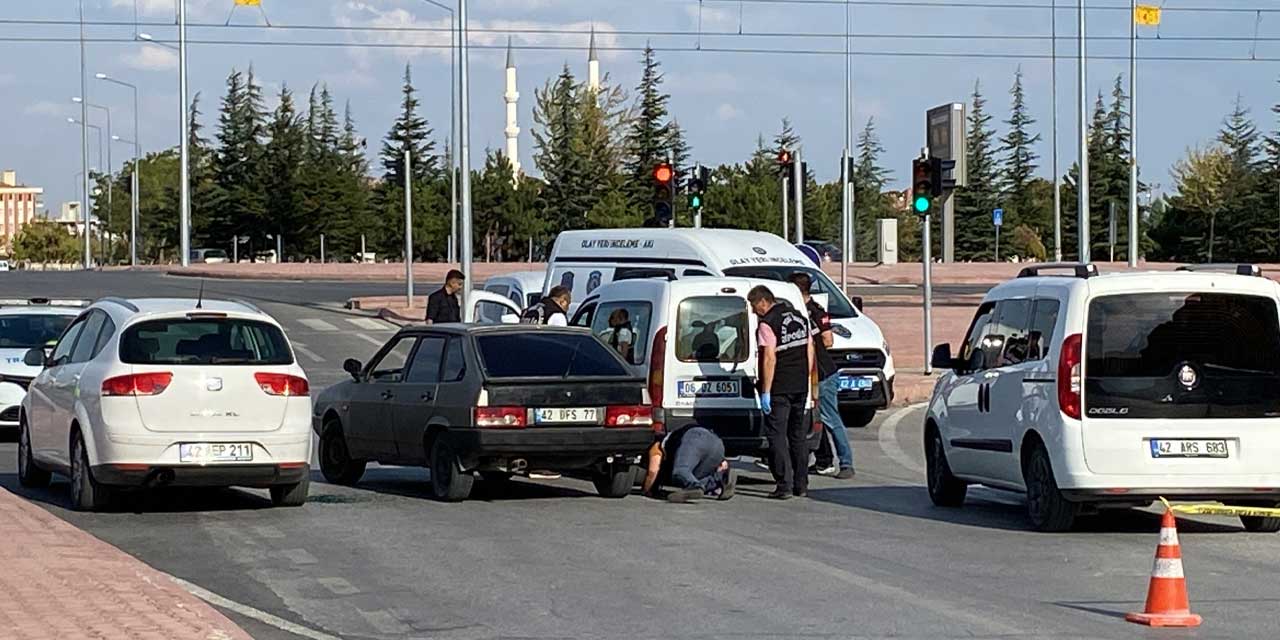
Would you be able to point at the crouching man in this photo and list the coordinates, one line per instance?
(691, 459)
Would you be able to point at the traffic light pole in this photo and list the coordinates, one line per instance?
(846, 227)
(672, 186)
(408, 230)
(926, 253)
(786, 182)
(799, 182)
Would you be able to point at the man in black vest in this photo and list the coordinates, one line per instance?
(551, 310)
(786, 357)
(442, 306)
(828, 386)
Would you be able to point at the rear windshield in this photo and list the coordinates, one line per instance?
(712, 329)
(204, 341)
(560, 355)
(1182, 355)
(29, 332)
(837, 305)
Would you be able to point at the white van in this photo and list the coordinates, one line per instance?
(522, 287)
(695, 341)
(586, 260)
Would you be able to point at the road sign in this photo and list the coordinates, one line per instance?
(997, 217)
(1147, 15)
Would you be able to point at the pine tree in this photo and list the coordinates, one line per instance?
(869, 179)
(240, 208)
(786, 139)
(975, 237)
(649, 138)
(410, 132)
(1246, 218)
(1019, 168)
(283, 172)
(567, 194)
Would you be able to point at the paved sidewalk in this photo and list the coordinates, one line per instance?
(57, 581)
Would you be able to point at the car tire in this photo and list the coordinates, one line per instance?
(945, 490)
(448, 482)
(1048, 510)
(614, 481)
(336, 463)
(857, 417)
(30, 475)
(86, 493)
(1261, 524)
(291, 495)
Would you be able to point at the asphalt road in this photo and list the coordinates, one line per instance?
(870, 558)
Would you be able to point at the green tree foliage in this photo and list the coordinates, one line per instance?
(1022, 206)
(975, 237)
(45, 241)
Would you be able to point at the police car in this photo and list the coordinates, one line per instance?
(24, 325)
(1087, 391)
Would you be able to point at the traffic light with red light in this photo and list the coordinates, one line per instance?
(663, 193)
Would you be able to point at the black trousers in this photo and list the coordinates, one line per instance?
(787, 431)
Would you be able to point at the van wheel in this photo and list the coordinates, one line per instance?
(1048, 510)
(1261, 524)
(335, 458)
(30, 475)
(615, 480)
(448, 482)
(290, 495)
(857, 417)
(86, 493)
(945, 490)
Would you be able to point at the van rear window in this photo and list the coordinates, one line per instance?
(712, 329)
(1182, 355)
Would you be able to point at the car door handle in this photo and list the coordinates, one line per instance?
(387, 395)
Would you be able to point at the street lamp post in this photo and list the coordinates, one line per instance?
(464, 158)
(137, 159)
(88, 215)
(110, 175)
(84, 144)
(183, 143)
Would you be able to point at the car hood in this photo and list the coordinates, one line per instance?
(863, 333)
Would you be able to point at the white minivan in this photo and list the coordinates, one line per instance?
(586, 260)
(1087, 391)
(695, 341)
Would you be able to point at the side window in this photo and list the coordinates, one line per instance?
(584, 316)
(624, 327)
(62, 352)
(971, 352)
(1007, 340)
(489, 312)
(499, 289)
(455, 365)
(104, 336)
(390, 367)
(83, 351)
(1043, 321)
(426, 361)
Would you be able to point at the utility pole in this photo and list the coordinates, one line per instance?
(799, 179)
(184, 150)
(786, 183)
(926, 259)
(408, 229)
(1133, 133)
(84, 145)
(849, 238)
(1053, 83)
(1082, 120)
(846, 227)
(465, 159)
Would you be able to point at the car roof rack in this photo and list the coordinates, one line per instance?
(1238, 269)
(122, 302)
(1078, 270)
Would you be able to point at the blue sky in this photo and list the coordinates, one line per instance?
(722, 99)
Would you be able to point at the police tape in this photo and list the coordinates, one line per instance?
(1214, 509)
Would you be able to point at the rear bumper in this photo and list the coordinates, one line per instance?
(1229, 495)
(879, 396)
(742, 430)
(553, 448)
(240, 475)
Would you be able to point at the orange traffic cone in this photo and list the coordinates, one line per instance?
(1167, 604)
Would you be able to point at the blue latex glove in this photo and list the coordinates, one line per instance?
(766, 403)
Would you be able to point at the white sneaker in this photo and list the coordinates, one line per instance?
(828, 471)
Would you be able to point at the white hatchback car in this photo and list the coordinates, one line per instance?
(26, 325)
(1091, 391)
(159, 392)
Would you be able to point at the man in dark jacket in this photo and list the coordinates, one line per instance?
(443, 306)
(551, 310)
(786, 357)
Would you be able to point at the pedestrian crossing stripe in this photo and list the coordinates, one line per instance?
(371, 324)
(316, 324)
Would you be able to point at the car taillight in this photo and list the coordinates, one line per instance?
(1070, 378)
(628, 416)
(137, 384)
(501, 417)
(282, 384)
(657, 362)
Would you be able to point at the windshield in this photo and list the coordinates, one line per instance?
(205, 341)
(838, 305)
(29, 332)
(543, 355)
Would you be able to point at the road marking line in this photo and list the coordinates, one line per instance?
(302, 348)
(249, 612)
(888, 437)
(316, 324)
(371, 340)
(372, 324)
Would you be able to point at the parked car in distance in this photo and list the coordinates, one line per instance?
(490, 400)
(828, 251)
(209, 256)
(524, 288)
(167, 392)
(29, 324)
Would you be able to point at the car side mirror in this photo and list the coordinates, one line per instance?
(35, 358)
(353, 367)
(857, 302)
(942, 357)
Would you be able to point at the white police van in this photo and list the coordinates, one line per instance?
(1090, 391)
(586, 260)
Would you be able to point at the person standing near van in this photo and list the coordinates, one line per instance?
(828, 384)
(443, 306)
(786, 357)
(551, 310)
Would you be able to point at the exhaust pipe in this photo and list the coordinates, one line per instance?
(159, 478)
(519, 465)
